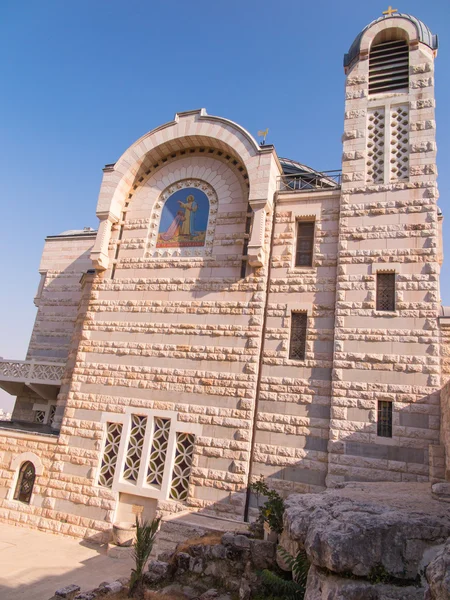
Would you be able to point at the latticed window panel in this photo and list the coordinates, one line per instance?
(386, 291)
(399, 147)
(135, 445)
(305, 244)
(51, 414)
(375, 145)
(384, 419)
(182, 466)
(299, 324)
(109, 460)
(25, 483)
(158, 452)
(39, 416)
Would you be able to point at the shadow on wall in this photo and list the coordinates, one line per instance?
(51, 338)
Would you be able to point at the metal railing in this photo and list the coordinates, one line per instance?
(324, 180)
(32, 371)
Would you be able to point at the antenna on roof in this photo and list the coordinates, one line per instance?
(263, 134)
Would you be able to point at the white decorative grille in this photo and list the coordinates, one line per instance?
(15, 369)
(158, 452)
(32, 371)
(375, 146)
(108, 468)
(399, 143)
(182, 466)
(39, 416)
(43, 371)
(135, 445)
(51, 414)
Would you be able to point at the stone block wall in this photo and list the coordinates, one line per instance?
(174, 333)
(391, 224)
(292, 423)
(64, 260)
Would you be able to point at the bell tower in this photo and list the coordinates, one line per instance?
(386, 371)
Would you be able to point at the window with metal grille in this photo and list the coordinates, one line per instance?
(305, 244)
(388, 66)
(384, 419)
(386, 291)
(25, 483)
(248, 224)
(299, 323)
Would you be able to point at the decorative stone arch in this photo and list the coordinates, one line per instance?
(16, 464)
(185, 131)
(406, 30)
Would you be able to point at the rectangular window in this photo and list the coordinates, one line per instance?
(384, 420)
(386, 291)
(375, 145)
(299, 322)
(305, 244)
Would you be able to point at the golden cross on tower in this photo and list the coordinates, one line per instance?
(390, 10)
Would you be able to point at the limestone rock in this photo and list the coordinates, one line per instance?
(321, 586)
(157, 571)
(356, 536)
(441, 491)
(438, 575)
(68, 592)
(262, 554)
(211, 594)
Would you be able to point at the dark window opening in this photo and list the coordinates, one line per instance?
(248, 223)
(384, 420)
(25, 483)
(305, 244)
(388, 66)
(386, 291)
(299, 323)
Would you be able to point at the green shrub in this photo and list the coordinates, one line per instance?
(281, 588)
(142, 548)
(271, 512)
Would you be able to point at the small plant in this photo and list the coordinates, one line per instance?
(271, 512)
(288, 589)
(142, 548)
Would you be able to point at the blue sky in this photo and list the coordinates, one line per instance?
(83, 80)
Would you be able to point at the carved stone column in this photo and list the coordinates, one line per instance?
(256, 250)
(99, 254)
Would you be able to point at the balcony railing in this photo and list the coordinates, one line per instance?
(319, 180)
(31, 371)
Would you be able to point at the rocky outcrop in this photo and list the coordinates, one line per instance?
(229, 562)
(438, 575)
(370, 541)
(323, 586)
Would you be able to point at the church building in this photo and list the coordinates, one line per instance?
(238, 314)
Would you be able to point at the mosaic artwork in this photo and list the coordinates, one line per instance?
(184, 219)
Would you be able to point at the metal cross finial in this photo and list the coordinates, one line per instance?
(263, 134)
(390, 10)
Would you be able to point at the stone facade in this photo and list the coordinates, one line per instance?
(177, 384)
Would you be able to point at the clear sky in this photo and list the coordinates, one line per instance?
(81, 81)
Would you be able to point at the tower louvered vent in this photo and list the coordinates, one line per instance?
(388, 66)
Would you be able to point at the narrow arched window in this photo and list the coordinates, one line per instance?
(25, 482)
(388, 63)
